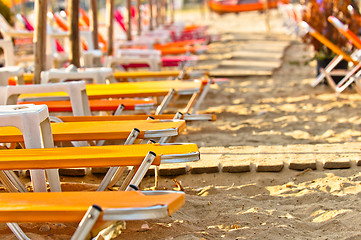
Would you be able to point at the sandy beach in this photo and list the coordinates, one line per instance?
(282, 159)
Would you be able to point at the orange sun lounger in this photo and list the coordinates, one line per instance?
(137, 89)
(141, 157)
(28, 77)
(98, 105)
(94, 156)
(104, 130)
(91, 209)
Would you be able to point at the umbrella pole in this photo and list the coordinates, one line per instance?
(109, 25)
(40, 39)
(74, 32)
(139, 25)
(94, 22)
(151, 15)
(171, 11)
(129, 27)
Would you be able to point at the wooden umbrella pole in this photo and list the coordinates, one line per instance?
(94, 22)
(171, 11)
(40, 39)
(164, 11)
(151, 15)
(139, 18)
(129, 26)
(266, 12)
(74, 32)
(109, 25)
(158, 14)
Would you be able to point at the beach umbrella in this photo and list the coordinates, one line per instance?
(39, 38)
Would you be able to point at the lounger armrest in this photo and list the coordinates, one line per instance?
(158, 211)
(200, 117)
(180, 158)
(141, 213)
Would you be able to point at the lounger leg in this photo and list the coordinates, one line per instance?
(330, 80)
(9, 183)
(129, 177)
(119, 110)
(139, 175)
(202, 96)
(351, 76)
(328, 69)
(112, 175)
(14, 227)
(87, 223)
(191, 102)
(165, 102)
(178, 115)
(13, 182)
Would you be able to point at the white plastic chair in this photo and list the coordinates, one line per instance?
(76, 91)
(33, 121)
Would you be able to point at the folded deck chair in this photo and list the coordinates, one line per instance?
(91, 209)
(340, 55)
(355, 73)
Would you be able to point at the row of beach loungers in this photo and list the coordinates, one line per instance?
(34, 132)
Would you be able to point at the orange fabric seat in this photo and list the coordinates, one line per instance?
(95, 156)
(71, 206)
(28, 77)
(105, 130)
(133, 89)
(96, 104)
